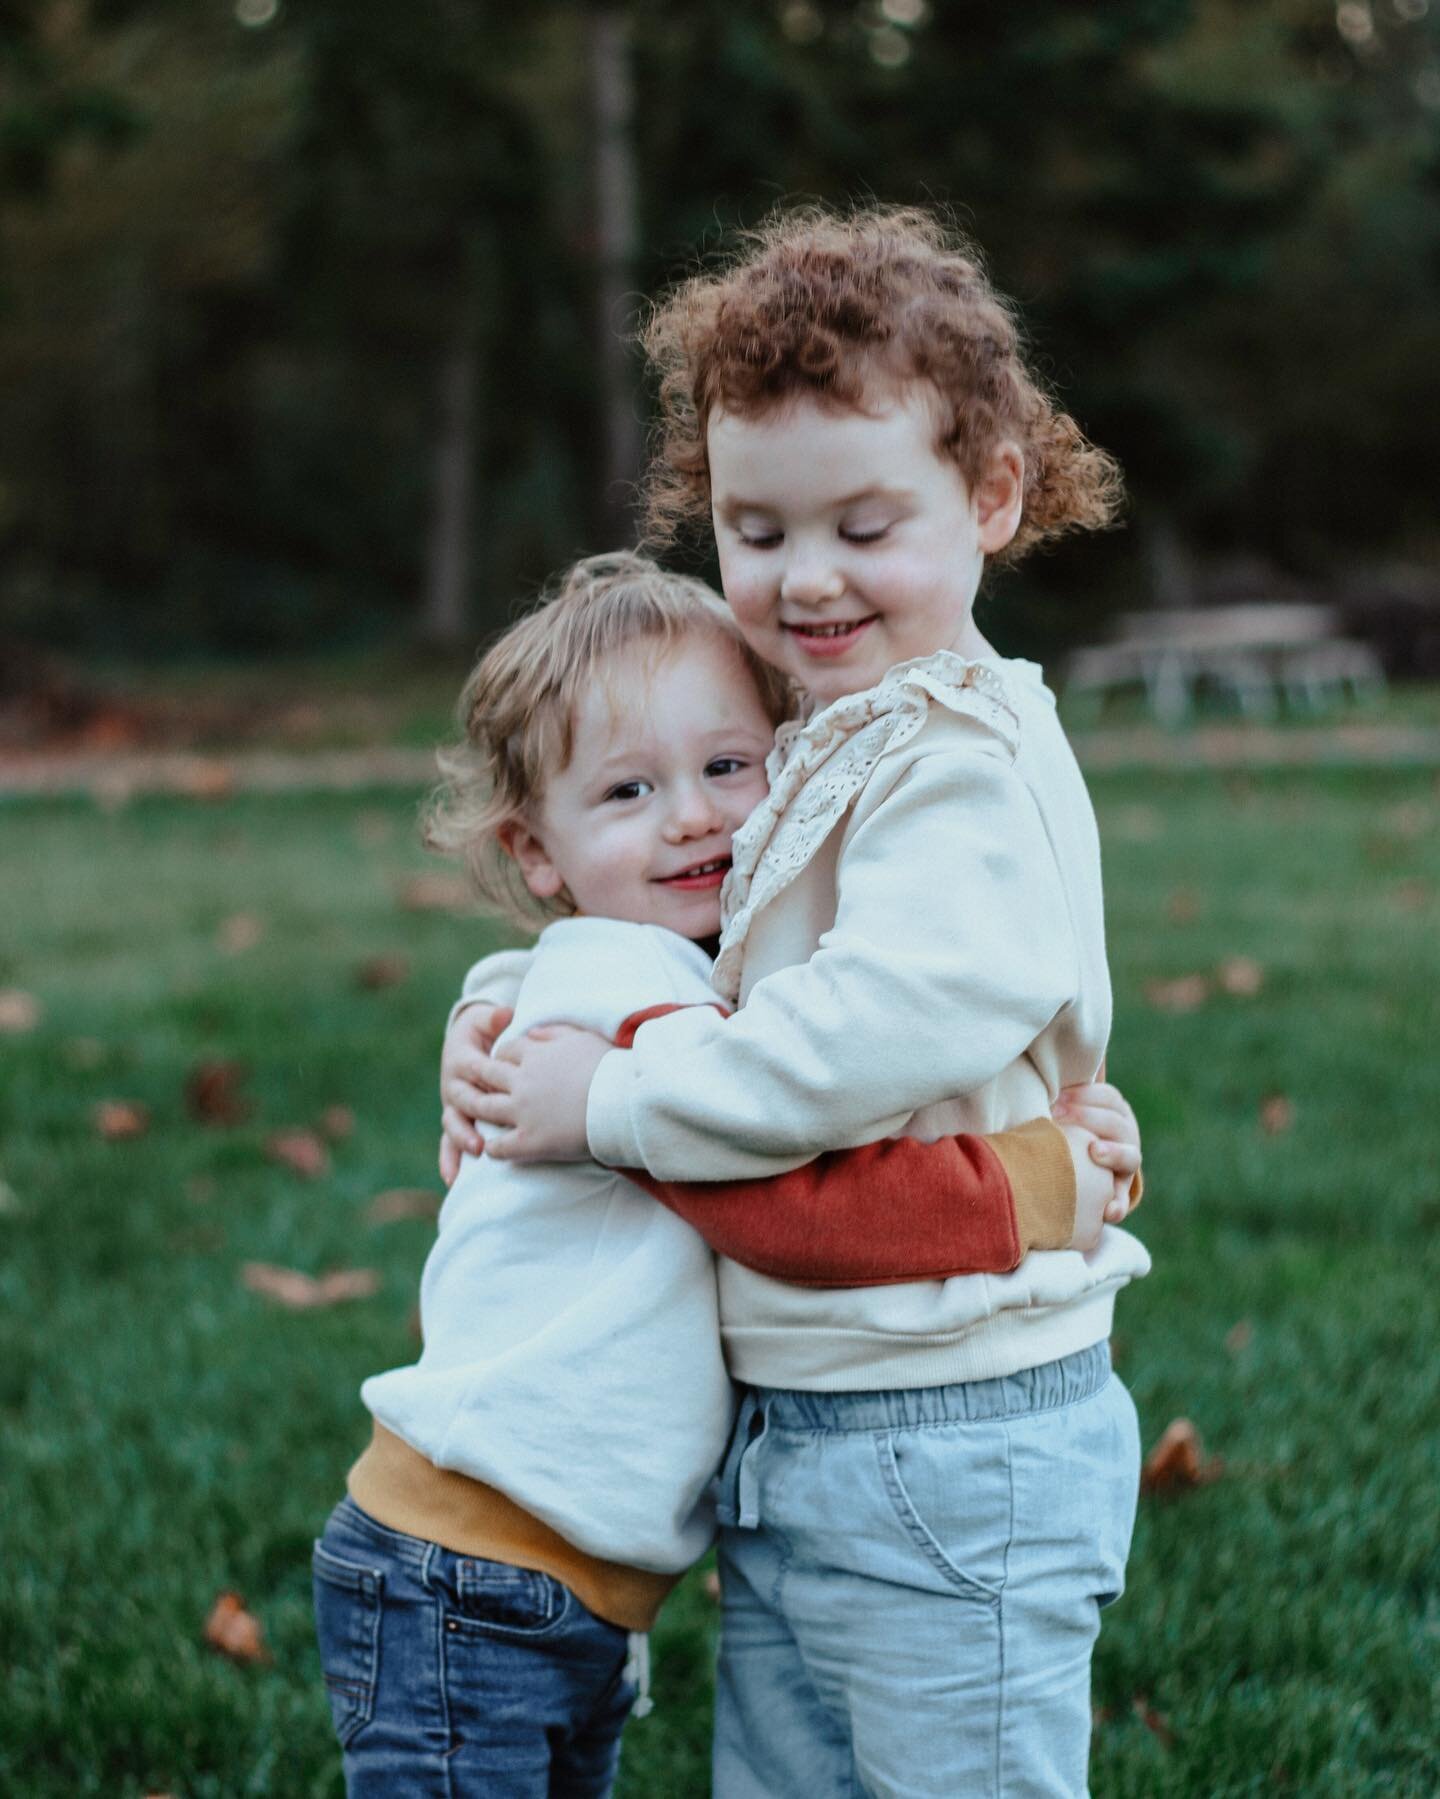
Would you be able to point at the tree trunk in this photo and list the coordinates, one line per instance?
(616, 236)
(444, 615)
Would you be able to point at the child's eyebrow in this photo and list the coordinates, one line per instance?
(729, 508)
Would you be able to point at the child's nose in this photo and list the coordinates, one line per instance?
(693, 813)
(810, 578)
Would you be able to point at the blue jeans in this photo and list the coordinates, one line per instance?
(912, 1585)
(449, 1676)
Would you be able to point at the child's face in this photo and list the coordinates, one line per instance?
(847, 544)
(668, 759)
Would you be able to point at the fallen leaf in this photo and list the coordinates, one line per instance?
(1238, 1337)
(1178, 1461)
(239, 932)
(337, 1123)
(303, 1292)
(1153, 1721)
(711, 1584)
(1240, 975)
(1412, 896)
(234, 1631)
(1277, 1114)
(403, 1202)
(19, 1012)
(1183, 906)
(383, 971)
(300, 1151)
(1184, 994)
(436, 892)
(118, 1120)
(212, 1092)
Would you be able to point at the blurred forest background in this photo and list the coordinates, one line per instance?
(313, 312)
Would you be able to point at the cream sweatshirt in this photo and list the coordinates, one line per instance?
(572, 1355)
(915, 912)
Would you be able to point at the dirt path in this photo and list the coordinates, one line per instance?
(115, 776)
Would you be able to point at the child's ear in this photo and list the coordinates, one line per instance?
(537, 871)
(999, 498)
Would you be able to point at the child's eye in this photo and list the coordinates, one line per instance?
(865, 536)
(760, 540)
(726, 765)
(628, 790)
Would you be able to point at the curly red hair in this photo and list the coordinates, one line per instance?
(824, 304)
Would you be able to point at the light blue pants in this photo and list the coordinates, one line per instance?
(912, 1584)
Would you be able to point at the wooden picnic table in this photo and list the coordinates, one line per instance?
(1259, 654)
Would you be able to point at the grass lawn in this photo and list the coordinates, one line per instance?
(168, 1434)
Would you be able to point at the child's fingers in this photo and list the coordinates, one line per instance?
(501, 1146)
(1098, 1094)
(497, 1109)
(493, 1075)
(483, 1024)
(1103, 1122)
(461, 1132)
(1119, 1158)
(449, 1161)
(1117, 1211)
(462, 1097)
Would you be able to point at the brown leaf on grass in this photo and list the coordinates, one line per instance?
(1413, 895)
(1185, 994)
(239, 932)
(1183, 906)
(1178, 1461)
(301, 1151)
(711, 1584)
(212, 1092)
(19, 1012)
(1239, 1336)
(234, 1631)
(403, 1202)
(383, 971)
(1241, 975)
(1277, 1114)
(118, 1120)
(337, 1123)
(438, 891)
(1155, 1722)
(299, 1292)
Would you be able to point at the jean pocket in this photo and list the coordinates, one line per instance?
(347, 1623)
(952, 1508)
(507, 1600)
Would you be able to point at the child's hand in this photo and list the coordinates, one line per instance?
(540, 1087)
(1102, 1113)
(468, 1042)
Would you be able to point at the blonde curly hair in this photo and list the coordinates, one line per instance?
(517, 710)
(818, 302)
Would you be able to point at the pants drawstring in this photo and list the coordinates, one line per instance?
(637, 1669)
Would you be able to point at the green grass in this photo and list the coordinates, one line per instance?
(166, 1434)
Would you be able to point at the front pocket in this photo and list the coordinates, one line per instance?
(521, 1601)
(952, 1505)
(347, 1623)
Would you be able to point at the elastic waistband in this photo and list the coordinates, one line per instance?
(1042, 1389)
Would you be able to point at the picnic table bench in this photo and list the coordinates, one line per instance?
(1259, 654)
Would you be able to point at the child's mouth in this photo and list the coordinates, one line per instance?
(830, 639)
(699, 877)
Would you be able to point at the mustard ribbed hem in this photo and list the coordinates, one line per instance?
(399, 1488)
(1036, 1158)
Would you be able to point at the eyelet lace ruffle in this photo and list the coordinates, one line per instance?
(819, 765)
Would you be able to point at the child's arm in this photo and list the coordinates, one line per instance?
(476, 1020)
(950, 954)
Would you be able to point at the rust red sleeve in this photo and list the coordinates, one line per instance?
(888, 1212)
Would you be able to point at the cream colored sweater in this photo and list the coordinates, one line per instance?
(915, 912)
